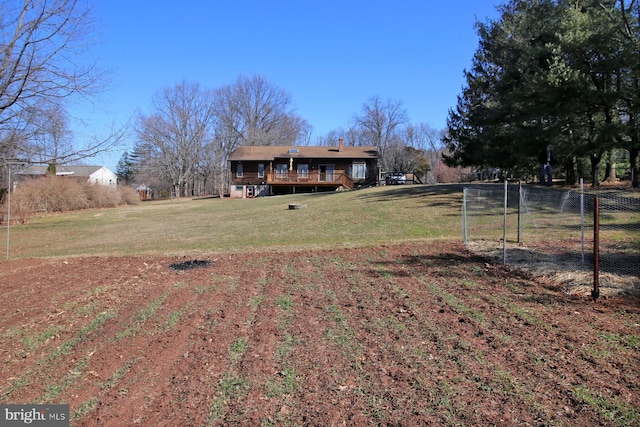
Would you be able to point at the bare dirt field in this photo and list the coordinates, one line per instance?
(414, 334)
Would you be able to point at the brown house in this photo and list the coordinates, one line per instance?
(268, 170)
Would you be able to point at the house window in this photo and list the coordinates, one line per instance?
(281, 170)
(358, 170)
(303, 171)
(326, 173)
(239, 171)
(260, 170)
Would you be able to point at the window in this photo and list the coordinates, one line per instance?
(359, 170)
(303, 170)
(326, 173)
(281, 170)
(239, 171)
(260, 170)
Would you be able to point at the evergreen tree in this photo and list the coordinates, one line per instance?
(125, 169)
(559, 72)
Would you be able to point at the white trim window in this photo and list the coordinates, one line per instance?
(359, 170)
(260, 170)
(239, 171)
(303, 170)
(281, 170)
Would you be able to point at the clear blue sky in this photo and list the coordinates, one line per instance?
(330, 56)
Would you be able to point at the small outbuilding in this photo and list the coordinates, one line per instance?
(93, 174)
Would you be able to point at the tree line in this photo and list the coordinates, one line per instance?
(183, 146)
(565, 73)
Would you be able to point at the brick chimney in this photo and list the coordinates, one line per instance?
(341, 144)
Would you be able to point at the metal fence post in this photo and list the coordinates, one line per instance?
(464, 216)
(504, 226)
(582, 215)
(596, 249)
(519, 211)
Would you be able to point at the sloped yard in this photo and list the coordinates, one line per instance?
(413, 334)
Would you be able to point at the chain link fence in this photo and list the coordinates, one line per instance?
(588, 240)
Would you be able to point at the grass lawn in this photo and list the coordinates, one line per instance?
(205, 225)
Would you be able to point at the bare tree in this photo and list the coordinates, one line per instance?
(255, 112)
(174, 136)
(378, 124)
(428, 142)
(53, 139)
(42, 44)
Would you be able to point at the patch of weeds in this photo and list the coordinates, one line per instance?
(68, 345)
(376, 404)
(613, 410)
(527, 317)
(230, 282)
(399, 292)
(238, 348)
(179, 285)
(286, 346)
(114, 379)
(201, 289)
(455, 303)
(141, 317)
(54, 390)
(231, 387)
(342, 334)
(515, 288)
(331, 294)
(211, 320)
(443, 403)
(469, 283)
(12, 333)
(87, 309)
(391, 323)
(285, 302)
(335, 313)
(539, 360)
(616, 340)
(255, 301)
(504, 381)
(173, 319)
(631, 341)
(31, 342)
(19, 383)
(85, 408)
(97, 322)
(477, 270)
(286, 384)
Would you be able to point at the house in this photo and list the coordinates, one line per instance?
(92, 174)
(269, 170)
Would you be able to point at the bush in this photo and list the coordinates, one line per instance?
(62, 194)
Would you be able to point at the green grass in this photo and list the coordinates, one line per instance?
(181, 226)
(612, 409)
(141, 317)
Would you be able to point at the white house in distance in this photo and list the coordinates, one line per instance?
(93, 174)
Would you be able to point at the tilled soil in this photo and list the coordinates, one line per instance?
(415, 334)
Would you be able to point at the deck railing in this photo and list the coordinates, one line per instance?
(310, 178)
(316, 178)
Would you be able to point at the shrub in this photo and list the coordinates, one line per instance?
(62, 194)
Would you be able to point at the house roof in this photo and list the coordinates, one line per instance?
(82, 171)
(267, 153)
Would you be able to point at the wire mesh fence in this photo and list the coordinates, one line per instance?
(559, 233)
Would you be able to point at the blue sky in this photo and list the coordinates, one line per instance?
(330, 56)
